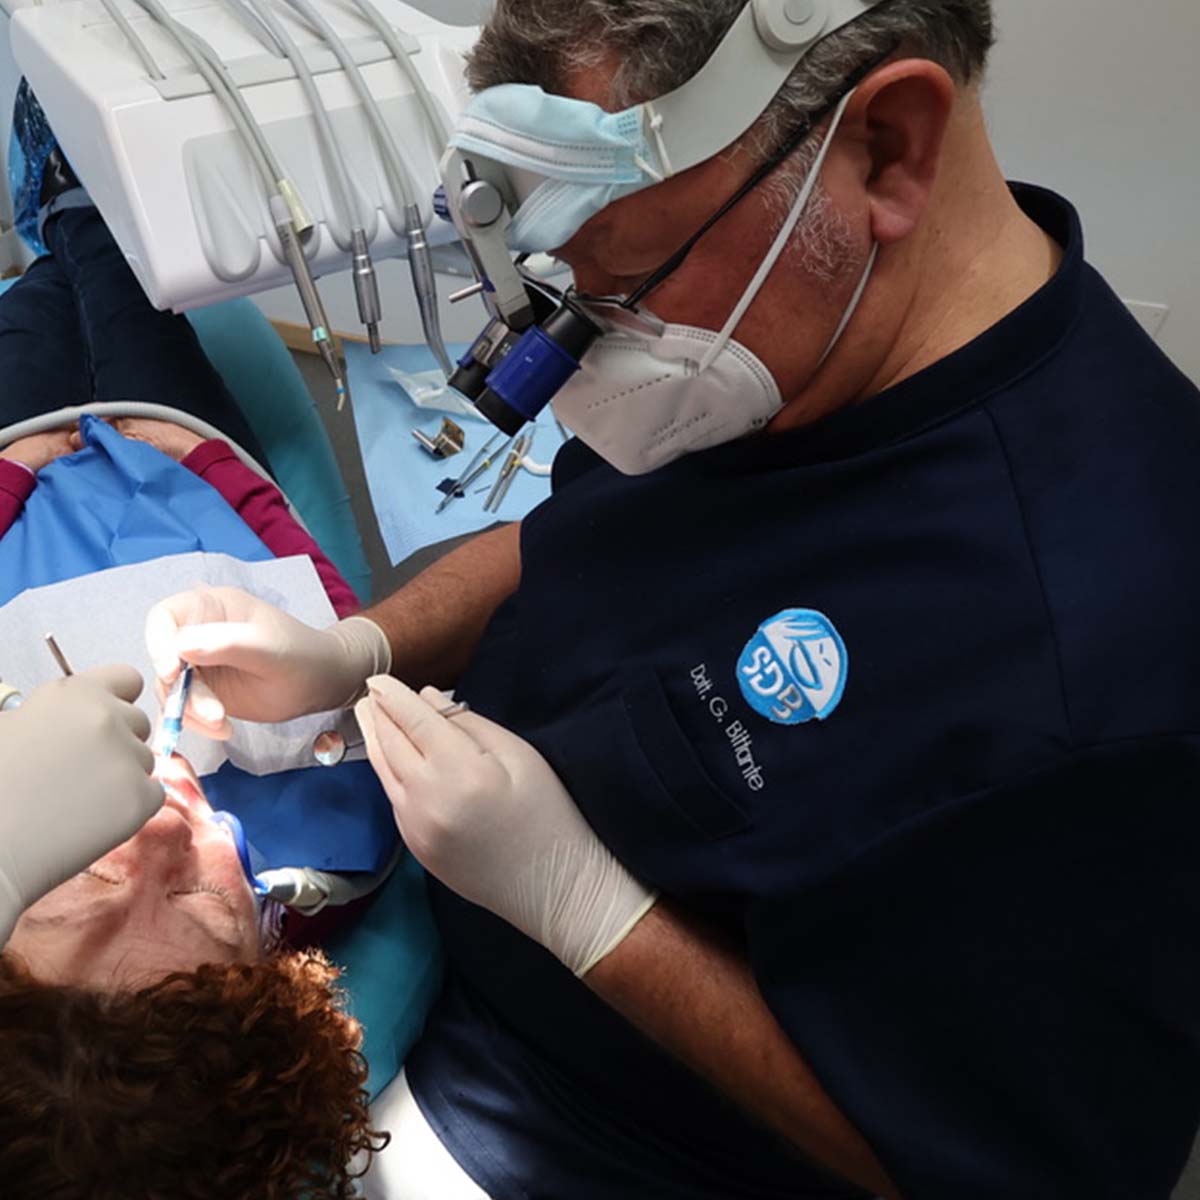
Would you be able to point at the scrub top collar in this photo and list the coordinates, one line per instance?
(992, 361)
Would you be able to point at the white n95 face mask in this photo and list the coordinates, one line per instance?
(650, 392)
(640, 399)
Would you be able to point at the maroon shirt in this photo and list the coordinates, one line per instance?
(259, 503)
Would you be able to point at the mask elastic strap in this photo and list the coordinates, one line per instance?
(852, 307)
(781, 241)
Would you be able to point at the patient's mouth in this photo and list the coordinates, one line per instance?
(181, 785)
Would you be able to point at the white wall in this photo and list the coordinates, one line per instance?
(1100, 99)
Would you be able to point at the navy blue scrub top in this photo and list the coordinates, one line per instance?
(908, 702)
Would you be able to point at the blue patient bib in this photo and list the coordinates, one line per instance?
(330, 818)
(114, 503)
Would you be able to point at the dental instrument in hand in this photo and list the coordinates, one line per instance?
(331, 747)
(59, 656)
(478, 465)
(170, 725)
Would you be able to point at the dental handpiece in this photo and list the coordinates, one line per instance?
(420, 264)
(310, 298)
(366, 288)
(170, 725)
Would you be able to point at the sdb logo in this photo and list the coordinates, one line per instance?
(794, 668)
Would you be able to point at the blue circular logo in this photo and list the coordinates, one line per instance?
(794, 668)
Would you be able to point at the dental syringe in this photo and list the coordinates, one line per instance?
(170, 724)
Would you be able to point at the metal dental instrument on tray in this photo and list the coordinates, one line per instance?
(478, 465)
(508, 472)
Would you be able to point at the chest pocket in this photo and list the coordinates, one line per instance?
(639, 781)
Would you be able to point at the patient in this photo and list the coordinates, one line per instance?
(153, 1045)
(157, 1038)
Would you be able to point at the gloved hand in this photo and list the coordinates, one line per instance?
(484, 812)
(74, 782)
(256, 662)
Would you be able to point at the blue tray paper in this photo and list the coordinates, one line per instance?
(403, 478)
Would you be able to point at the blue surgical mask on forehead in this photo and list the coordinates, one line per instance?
(569, 159)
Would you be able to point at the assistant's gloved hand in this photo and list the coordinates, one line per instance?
(484, 812)
(74, 782)
(256, 662)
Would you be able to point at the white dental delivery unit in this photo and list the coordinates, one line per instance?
(174, 177)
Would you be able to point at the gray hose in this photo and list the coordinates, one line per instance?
(201, 56)
(121, 21)
(401, 176)
(291, 51)
(433, 114)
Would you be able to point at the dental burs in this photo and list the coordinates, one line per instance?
(330, 747)
(475, 469)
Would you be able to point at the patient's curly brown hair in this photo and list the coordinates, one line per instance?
(230, 1082)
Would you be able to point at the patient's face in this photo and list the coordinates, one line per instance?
(169, 899)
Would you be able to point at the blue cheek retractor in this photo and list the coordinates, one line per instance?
(246, 852)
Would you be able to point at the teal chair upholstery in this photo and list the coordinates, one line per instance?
(259, 371)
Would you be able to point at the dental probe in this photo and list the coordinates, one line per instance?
(477, 466)
(508, 473)
(59, 656)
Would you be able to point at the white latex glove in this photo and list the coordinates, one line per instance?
(484, 812)
(74, 782)
(256, 662)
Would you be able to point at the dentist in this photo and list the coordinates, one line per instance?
(829, 732)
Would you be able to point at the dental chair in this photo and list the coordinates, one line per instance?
(269, 389)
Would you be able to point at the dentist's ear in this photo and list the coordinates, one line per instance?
(897, 120)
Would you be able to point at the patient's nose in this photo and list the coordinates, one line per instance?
(164, 841)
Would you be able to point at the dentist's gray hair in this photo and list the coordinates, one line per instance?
(659, 44)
